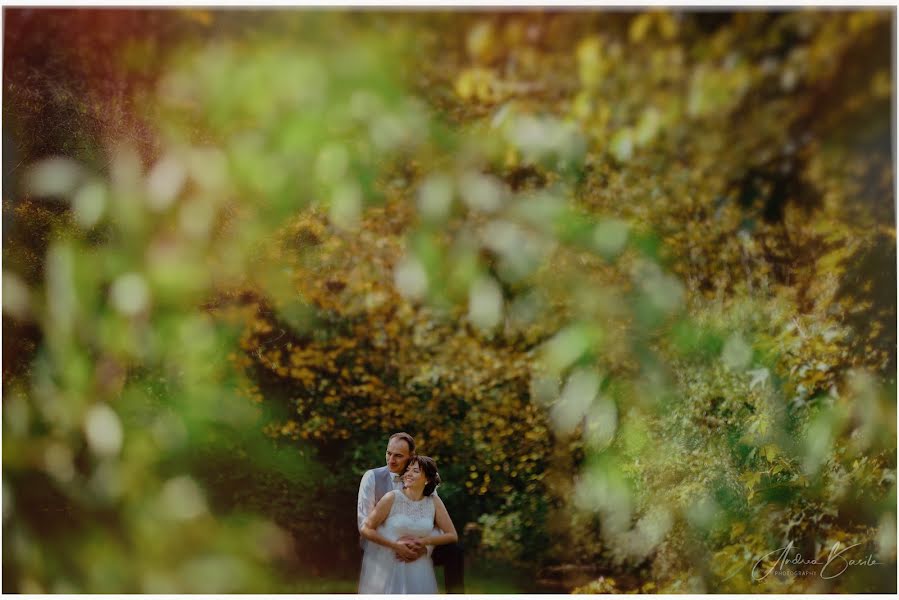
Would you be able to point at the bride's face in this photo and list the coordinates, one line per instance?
(414, 478)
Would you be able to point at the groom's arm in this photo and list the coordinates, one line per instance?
(365, 502)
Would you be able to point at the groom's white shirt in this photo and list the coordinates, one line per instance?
(365, 503)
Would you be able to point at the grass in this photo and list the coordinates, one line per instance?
(480, 578)
(490, 580)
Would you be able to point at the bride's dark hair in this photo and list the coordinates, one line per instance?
(429, 468)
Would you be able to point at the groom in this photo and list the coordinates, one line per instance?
(377, 482)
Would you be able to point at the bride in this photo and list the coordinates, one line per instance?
(409, 514)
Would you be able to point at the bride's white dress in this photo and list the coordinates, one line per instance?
(382, 572)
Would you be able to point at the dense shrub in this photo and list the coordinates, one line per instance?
(620, 274)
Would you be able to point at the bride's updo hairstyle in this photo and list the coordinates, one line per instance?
(429, 469)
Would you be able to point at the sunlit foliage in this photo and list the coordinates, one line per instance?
(621, 274)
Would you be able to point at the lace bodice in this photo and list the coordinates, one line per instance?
(382, 572)
(408, 517)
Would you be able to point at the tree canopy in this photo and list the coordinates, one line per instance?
(627, 276)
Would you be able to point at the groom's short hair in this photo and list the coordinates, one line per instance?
(406, 438)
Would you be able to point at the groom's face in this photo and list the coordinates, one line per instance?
(398, 455)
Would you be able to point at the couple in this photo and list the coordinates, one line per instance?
(405, 527)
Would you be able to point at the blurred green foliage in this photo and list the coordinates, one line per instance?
(621, 274)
